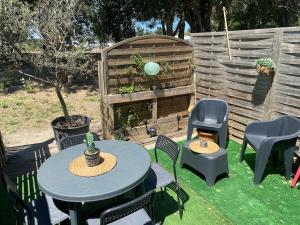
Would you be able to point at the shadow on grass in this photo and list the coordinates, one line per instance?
(272, 167)
(168, 205)
(201, 176)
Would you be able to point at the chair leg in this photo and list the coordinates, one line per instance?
(222, 138)
(210, 181)
(244, 146)
(178, 202)
(288, 162)
(260, 165)
(162, 193)
(190, 132)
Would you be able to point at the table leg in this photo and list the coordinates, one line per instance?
(73, 211)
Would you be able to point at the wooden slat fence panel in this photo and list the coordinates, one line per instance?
(165, 50)
(251, 96)
(286, 98)
(155, 99)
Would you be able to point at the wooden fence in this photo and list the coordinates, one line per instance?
(119, 69)
(251, 96)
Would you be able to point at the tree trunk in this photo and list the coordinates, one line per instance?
(198, 15)
(62, 103)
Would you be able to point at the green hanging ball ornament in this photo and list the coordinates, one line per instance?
(151, 68)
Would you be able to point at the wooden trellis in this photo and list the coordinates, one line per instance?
(175, 87)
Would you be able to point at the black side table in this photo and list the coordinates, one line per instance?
(210, 165)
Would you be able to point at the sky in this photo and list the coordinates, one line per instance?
(158, 24)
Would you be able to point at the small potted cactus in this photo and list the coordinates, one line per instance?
(265, 66)
(92, 154)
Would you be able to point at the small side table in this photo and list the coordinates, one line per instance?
(210, 165)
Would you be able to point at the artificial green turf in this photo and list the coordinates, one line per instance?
(272, 202)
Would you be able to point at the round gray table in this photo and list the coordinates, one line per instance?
(56, 180)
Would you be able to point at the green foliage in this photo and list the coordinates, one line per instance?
(9, 79)
(131, 118)
(112, 19)
(90, 144)
(51, 57)
(266, 62)
(139, 64)
(257, 14)
(28, 86)
(166, 68)
(126, 89)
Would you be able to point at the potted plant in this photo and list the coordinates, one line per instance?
(265, 66)
(49, 54)
(92, 154)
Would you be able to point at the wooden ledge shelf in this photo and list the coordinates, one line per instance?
(148, 95)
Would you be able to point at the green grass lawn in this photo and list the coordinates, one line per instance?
(233, 200)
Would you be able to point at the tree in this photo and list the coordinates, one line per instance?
(51, 22)
(112, 19)
(166, 12)
(255, 14)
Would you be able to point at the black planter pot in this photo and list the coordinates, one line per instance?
(92, 159)
(60, 133)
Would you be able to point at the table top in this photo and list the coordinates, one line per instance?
(56, 180)
(211, 147)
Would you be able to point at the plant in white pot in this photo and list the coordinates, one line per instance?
(39, 36)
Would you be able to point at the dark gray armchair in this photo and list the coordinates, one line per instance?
(266, 137)
(211, 115)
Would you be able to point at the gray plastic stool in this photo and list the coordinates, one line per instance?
(210, 165)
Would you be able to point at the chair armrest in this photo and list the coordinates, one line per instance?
(270, 141)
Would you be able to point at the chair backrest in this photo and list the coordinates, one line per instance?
(210, 109)
(118, 212)
(168, 146)
(289, 126)
(19, 204)
(74, 140)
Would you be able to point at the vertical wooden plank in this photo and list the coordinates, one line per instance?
(269, 102)
(154, 110)
(104, 107)
(110, 121)
(101, 93)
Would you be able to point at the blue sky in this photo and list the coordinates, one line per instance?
(158, 24)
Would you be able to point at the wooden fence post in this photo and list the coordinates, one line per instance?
(275, 55)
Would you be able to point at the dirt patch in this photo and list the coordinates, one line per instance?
(25, 117)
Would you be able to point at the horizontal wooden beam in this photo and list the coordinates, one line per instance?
(147, 95)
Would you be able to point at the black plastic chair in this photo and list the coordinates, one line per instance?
(130, 213)
(42, 211)
(267, 137)
(158, 177)
(210, 115)
(74, 140)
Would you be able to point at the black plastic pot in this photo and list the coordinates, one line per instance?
(60, 133)
(92, 159)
